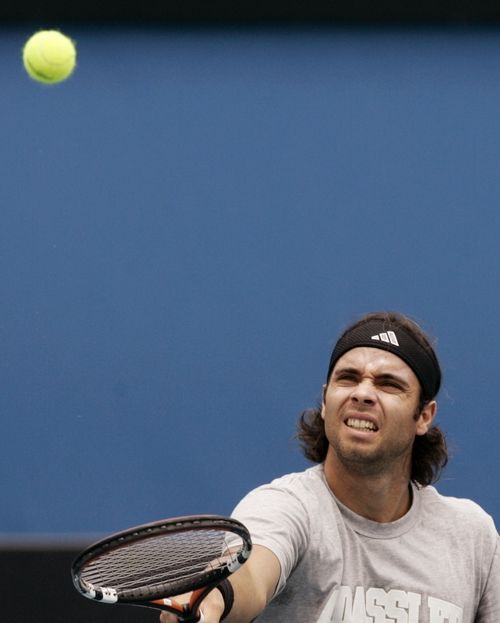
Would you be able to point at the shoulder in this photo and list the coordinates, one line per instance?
(301, 487)
(458, 507)
(290, 503)
(459, 514)
(296, 489)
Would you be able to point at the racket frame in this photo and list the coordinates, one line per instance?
(198, 589)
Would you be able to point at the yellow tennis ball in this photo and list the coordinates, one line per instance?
(49, 56)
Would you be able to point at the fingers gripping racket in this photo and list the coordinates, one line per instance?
(149, 564)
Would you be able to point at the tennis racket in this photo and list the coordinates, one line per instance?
(149, 564)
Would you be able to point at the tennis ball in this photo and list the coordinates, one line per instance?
(49, 56)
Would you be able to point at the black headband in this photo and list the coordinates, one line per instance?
(395, 339)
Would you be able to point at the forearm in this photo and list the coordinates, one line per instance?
(250, 597)
(253, 586)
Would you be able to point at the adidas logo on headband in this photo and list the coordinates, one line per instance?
(390, 336)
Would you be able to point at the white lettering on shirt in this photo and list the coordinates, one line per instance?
(376, 605)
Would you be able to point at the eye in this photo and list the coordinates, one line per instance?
(390, 384)
(345, 378)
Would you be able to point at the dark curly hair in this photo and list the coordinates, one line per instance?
(430, 453)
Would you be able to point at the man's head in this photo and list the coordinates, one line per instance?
(404, 415)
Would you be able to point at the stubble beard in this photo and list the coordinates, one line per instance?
(371, 462)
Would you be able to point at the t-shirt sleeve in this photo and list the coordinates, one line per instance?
(489, 606)
(277, 520)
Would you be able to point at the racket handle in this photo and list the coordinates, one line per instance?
(171, 603)
(193, 619)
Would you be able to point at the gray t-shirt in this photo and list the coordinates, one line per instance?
(440, 563)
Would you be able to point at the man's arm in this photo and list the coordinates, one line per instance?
(253, 584)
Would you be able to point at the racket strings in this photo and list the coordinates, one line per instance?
(160, 559)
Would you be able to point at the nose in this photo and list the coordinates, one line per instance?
(363, 393)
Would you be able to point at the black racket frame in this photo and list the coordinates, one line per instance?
(144, 596)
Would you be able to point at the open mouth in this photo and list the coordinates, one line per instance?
(362, 425)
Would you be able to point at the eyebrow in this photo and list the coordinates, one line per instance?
(384, 376)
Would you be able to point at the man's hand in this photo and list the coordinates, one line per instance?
(212, 608)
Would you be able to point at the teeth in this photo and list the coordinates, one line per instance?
(360, 424)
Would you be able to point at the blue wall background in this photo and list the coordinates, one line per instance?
(190, 220)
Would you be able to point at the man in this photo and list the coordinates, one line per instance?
(362, 537)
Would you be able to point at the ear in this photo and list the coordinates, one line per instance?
(323, 402)
(426, 417)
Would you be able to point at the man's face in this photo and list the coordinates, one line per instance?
(370, 408)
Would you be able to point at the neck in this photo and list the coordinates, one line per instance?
(383, 497)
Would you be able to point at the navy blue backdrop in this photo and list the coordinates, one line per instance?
(190, 220)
